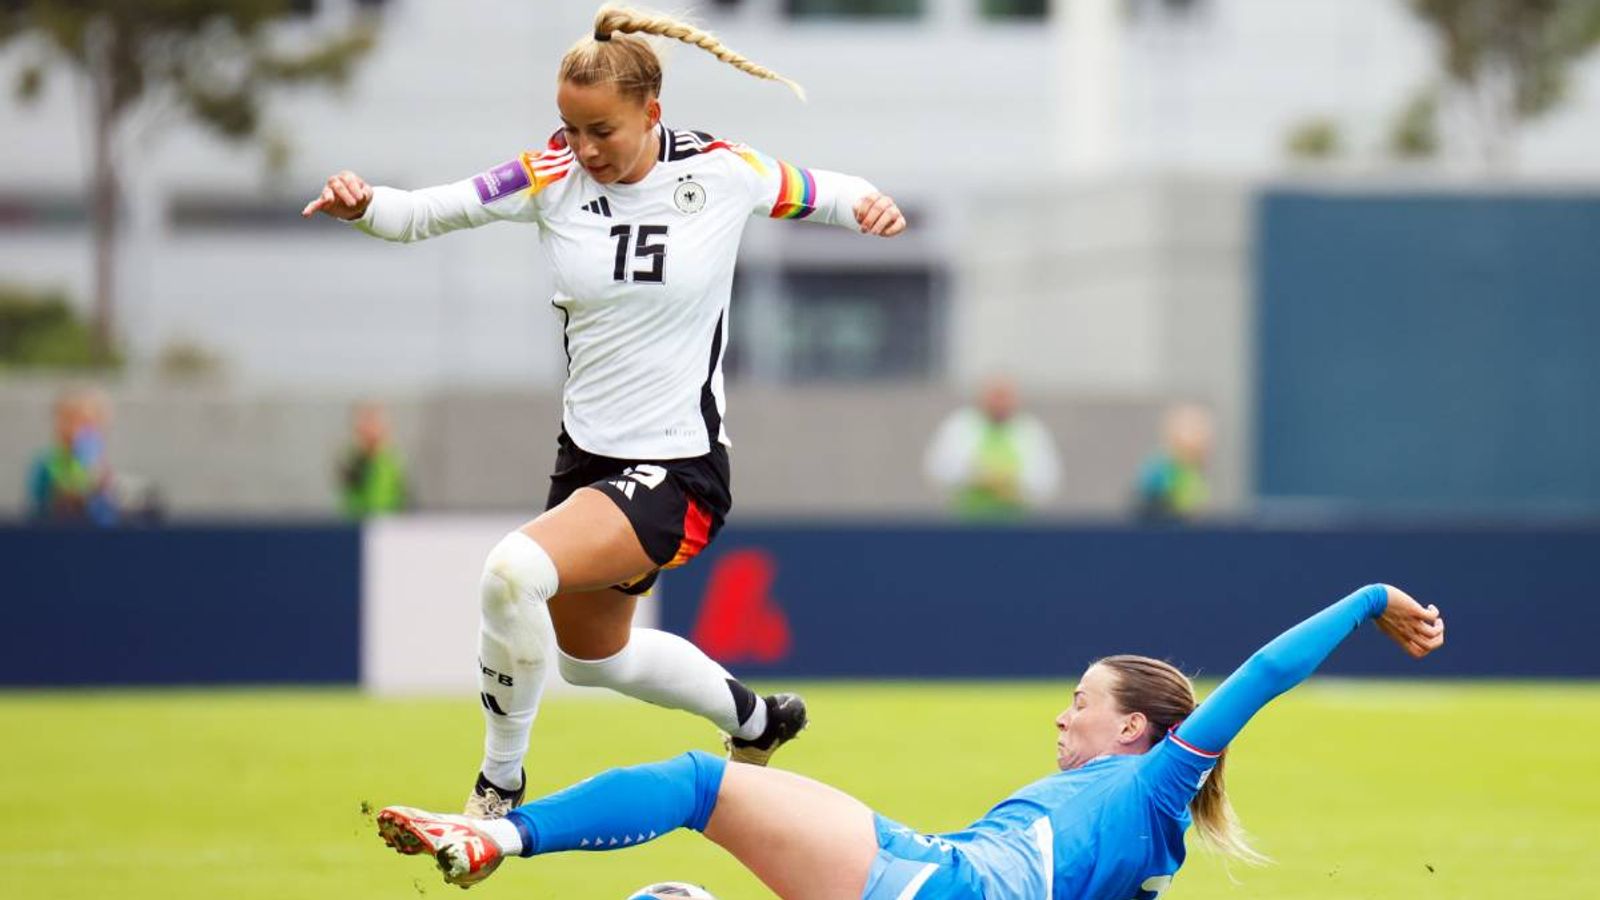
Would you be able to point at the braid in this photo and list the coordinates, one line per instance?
(619, 19)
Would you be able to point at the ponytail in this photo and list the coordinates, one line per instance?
(1166, 697)
(632, 65)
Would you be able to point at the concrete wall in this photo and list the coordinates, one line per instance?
(1135, 286)
(826, 451)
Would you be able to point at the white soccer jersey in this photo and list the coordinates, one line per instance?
(643, 272)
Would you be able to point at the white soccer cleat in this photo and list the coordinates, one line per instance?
(488, 801)
(464, 853)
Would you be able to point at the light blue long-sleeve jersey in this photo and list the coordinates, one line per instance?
(1112, 829)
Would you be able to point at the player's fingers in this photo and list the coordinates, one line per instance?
(311, 208)
(861, 207)
(868, 218)
(875, 215)
(342, 192)
(358, 188)
(896, 224)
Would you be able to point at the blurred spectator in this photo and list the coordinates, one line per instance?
(1172, 486)
(72, 481)
(371, 474)
(994, 460)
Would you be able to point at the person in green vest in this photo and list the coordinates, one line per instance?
(1172, 485)
(71, 481)
(994, 460)
(372, 477)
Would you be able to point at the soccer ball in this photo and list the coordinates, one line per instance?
(671, 890)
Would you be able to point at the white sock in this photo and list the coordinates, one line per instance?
(661, 668)
(504, 834)
(515, 639)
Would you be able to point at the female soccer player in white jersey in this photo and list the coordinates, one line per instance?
(1139, 763)
(641, 225)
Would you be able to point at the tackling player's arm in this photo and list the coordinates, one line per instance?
(782, 190)
(1292, 656)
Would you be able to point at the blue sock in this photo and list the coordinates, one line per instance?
(623, 807)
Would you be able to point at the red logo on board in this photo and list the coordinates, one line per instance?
(739, 620)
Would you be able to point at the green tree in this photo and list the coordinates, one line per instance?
(1414, 133)
(215, 60)
(1507, 61)
(1315, 139)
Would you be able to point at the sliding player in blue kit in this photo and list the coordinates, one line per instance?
(1139, 763)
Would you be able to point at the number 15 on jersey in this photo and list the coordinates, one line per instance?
(646, 248)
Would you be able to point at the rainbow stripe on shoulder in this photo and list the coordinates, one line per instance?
(531, 172)
(548, 167)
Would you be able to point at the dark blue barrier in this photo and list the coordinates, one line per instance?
(945, 602)
(180, 605)
(1429, 351)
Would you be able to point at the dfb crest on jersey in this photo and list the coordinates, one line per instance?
(690, 197)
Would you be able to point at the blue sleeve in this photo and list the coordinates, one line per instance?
(1289, 659)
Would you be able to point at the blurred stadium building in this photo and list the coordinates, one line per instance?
(1084, 189)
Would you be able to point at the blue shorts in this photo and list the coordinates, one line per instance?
(915, 865)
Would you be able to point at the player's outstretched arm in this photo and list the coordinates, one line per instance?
(1292, 656)
(783, 190)
(504, 193)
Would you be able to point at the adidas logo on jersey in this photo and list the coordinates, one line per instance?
(601, 207)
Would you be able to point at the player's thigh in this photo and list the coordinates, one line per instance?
(593, 624)
(591, 541)
(804, 839)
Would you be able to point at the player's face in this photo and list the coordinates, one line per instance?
(613, 136)
(1092, 726)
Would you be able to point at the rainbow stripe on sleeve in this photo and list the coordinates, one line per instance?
(797, 193)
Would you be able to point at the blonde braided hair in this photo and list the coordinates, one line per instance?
(632, 66)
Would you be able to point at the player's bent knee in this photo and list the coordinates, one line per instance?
(606, 673)
(517, 569)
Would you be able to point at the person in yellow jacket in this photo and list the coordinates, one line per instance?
(994, 460)
(372, 477)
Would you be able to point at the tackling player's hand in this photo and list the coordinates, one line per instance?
(1418, 629)
(877, 214)
(345, 196)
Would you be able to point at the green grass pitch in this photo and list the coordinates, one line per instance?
(1357, 789)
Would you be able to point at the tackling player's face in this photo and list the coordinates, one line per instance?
(1092, 726)
(612, 136)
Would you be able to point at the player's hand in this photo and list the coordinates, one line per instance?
(877, 214)
(1418, 629)
(345, 196)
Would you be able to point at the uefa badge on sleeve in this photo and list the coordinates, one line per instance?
(690, 197)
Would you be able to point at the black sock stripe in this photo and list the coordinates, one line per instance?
(744, 700)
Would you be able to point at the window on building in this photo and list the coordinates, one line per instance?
(1014, 9)
(1176, 9)
(852, 9)
(837, 325)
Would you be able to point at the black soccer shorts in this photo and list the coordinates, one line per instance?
(676, 506)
